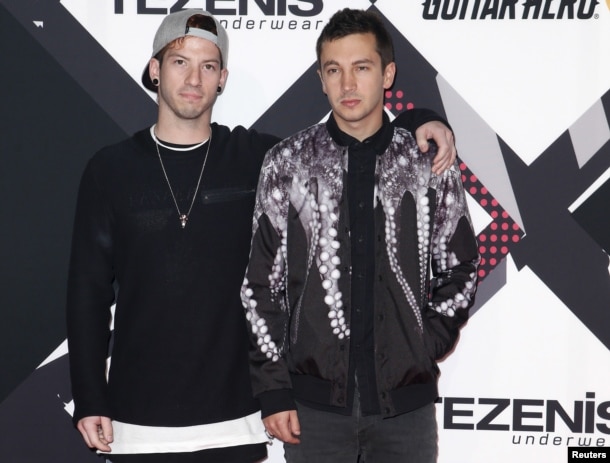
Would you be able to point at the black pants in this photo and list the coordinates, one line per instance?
(332, 438)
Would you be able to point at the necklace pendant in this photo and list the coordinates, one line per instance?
(183, 217)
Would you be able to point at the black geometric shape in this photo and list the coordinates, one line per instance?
(50, 128)
(555, 247)
(36, 427)
(86, 62)
(593, 216)
(292, 111)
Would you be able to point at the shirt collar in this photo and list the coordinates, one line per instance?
(379, 141)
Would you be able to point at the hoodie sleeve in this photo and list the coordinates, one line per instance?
(412, 119)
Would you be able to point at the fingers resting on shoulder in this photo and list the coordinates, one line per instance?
(443, 137)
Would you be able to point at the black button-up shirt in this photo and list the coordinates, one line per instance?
(362, 160)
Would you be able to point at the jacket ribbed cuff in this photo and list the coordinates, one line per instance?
(276, 401)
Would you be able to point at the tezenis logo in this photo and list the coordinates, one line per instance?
(509, 9)
(531, 416)
(302, 8)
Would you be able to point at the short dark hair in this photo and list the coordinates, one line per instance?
(348, 21)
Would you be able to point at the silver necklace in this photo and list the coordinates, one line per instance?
(184, 217)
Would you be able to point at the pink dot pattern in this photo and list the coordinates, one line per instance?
(496, 239)
(395, 101)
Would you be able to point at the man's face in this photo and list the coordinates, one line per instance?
(188, 79)
(354, 82)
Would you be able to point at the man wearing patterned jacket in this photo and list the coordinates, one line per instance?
(347, 322)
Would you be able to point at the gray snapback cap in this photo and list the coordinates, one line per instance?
(175, 26)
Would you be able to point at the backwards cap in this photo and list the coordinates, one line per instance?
(174, 26)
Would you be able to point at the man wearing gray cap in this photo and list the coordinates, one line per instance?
(162, 229)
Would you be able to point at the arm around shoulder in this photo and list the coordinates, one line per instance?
(427, 125)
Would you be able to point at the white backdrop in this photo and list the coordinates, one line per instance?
(529, 377)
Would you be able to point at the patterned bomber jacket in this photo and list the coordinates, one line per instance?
(296, 291)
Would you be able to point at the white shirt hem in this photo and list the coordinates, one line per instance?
(136, 439)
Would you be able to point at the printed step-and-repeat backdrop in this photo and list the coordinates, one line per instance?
(526, 87)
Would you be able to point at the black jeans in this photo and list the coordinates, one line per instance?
(332, 438)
